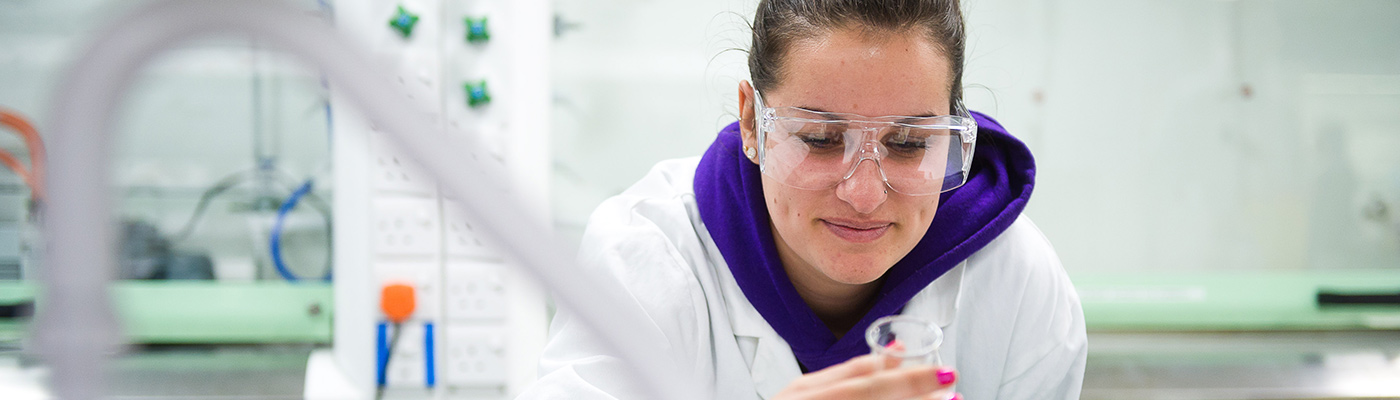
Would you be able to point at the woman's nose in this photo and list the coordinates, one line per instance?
(865, 190)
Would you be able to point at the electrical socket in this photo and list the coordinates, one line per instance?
(475, 291)
(426, 279)
(462, 239)
(394, 172)
(407, 366)
(475, 356)
(406, 226)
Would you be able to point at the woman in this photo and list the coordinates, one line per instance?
(849, 190)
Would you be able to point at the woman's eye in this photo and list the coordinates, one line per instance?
(906, 146)
(910, 145)
(820, 140)
(910, 141)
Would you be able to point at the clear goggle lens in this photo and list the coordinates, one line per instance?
(818, 150)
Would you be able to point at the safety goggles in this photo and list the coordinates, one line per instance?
(817, 150)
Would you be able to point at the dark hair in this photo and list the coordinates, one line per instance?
(779, 23)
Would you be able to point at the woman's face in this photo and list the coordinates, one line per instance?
(853, 233)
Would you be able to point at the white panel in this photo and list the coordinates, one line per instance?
(491, 323)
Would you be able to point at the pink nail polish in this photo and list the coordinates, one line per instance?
(946, 376)
(956, 396)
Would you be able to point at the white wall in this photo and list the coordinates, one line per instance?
(1151, 154)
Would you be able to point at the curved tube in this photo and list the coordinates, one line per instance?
(34, 174)
(76, 325)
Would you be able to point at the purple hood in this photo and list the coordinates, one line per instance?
(729, 194)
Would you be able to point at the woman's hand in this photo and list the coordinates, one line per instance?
(859, 379)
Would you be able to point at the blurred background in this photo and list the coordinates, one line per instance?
(1206, 171)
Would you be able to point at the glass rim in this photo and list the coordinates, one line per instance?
(959, 123)
(872, 335)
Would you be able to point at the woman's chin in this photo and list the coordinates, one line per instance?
(856, 272)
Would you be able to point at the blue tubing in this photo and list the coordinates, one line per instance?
(276, 235)
(428, 354)
(382, 349)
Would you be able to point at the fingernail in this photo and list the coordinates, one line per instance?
(946, 376)
(956, 396)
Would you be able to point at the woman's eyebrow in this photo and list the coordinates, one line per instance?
(928, 114)
(913, 118)
(825, 113)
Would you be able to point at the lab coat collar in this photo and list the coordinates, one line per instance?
(771, 363)
(938, 303)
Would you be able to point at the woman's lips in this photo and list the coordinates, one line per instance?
(857, 232)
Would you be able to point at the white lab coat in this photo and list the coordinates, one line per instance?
(1012, 322)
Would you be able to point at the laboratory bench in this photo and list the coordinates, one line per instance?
(1199, 335)
(192, 339)
(167, 372)
(1240, 335)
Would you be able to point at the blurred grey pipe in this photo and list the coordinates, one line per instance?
(76, 326)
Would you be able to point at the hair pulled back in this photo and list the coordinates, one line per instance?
(779, 24)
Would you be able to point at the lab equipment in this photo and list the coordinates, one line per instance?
(477, 96)
(476, 30)
(398, 301)
(268, 235)
(817, 150)
(147, 254)
(15, 229)
(910, 340)
(403, 22)
(76, 326)
(397, 224)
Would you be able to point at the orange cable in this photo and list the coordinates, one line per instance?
(13, 163)
(34, 175)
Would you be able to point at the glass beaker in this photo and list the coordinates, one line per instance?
(910, 340)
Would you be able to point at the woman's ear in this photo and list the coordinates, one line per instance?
(748, 120)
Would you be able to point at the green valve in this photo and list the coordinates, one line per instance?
(476, 30)
(477, 95)
(403, 21)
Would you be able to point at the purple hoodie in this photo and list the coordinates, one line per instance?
(729, 194)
